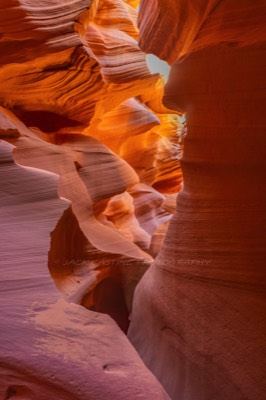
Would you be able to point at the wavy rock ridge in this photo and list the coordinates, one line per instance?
(93, 157)
(90, 154)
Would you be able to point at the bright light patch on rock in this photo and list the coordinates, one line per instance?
(158, 66)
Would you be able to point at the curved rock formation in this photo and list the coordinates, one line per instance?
(51, 348)
(198, 315)
(75, 94)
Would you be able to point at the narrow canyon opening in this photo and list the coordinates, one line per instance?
(105, 282)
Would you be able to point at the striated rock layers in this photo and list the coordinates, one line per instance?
(89, 155)
(199, 312)
(50, 348)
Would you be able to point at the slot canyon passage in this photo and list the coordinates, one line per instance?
(133, 244)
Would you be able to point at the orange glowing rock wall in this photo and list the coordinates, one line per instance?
(92, 160)
(199, 312)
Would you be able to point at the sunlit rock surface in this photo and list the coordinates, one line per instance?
(198, 316)
(92, 156)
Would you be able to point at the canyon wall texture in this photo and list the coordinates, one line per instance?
(198, 316)
(89, 168)
(50, 348)
(91, 192)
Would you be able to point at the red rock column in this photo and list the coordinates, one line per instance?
(198, 318)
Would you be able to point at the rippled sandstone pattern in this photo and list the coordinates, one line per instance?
(199, 312)
(91, 159)
(50, 348)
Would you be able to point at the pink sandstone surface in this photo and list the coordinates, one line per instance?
(94, 203)
(198, 318)
(73, 248)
